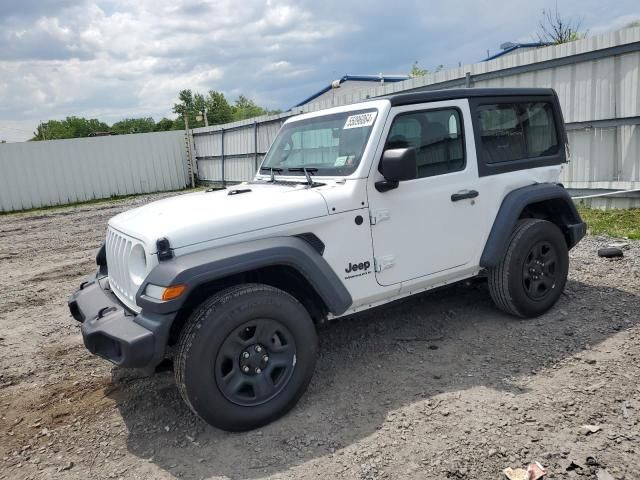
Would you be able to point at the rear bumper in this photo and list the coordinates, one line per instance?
(111, 331)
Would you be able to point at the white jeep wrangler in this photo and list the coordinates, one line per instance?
(353, 207)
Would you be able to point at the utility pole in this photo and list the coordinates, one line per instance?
(187, 137)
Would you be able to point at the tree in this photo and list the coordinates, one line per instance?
(245, 108)
(417, 71)
(190, 105)
(552, 28)
(163, 125)
(186, 103)
(134, 125)
(218, 108)
(70, 127)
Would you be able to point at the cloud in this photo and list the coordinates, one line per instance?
(121, 58)
(615, 23)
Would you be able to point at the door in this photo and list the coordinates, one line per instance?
(430, 226)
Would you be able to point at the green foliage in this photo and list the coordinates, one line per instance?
(217, 107)
(186, 107)
(417, 71)
(193, 105)
(178, 124)
(245, 108)
(70, 127)
(164, 125)
(190, 104)
(616, 223)
(186, 104)
(134, 125)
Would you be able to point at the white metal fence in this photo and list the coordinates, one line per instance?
(597, 80)
(58, 172)
(232, 152)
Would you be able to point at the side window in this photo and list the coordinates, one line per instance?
(515, 131)
(404, 133)
(540, 130)
(437, 137)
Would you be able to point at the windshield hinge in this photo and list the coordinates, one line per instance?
(382, 263)
(377, 216)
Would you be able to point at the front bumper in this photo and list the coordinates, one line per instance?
(111, 331)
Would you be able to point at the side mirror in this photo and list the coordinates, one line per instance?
(397, 165)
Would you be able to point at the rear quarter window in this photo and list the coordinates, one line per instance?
(517, 131)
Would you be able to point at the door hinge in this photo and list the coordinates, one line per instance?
(378, 216)
(382, 263)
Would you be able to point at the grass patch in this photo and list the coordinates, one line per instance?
(616, 223)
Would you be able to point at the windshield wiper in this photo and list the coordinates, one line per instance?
(308, 171)
(272, 170)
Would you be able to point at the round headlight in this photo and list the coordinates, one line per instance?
(137, 264)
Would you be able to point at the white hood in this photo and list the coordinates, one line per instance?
(198, 217)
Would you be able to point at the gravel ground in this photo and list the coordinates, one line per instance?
(439, 386)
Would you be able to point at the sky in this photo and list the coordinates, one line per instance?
(115, 59)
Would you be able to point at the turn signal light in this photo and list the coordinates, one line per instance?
(164, 293)
(173, 291)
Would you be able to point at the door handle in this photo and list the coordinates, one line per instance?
(465, 194)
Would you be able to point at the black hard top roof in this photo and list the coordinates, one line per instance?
(456, 93)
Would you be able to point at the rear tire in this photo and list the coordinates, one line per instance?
(532, 274)
(245, 356)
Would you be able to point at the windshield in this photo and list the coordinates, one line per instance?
(332, 144)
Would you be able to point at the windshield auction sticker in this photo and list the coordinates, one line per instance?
(360, 120)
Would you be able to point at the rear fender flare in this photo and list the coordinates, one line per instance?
(514, 204)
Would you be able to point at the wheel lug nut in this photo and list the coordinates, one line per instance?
(258, 370)
(265, 359)
(245, 355)
(245, 369)
(258, 348)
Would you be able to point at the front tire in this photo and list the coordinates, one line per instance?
(245, 356)
(532, 274)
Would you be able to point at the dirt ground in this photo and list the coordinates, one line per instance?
(439, 386)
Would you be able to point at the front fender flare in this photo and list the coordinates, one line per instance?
(201, 267)
(513, 205)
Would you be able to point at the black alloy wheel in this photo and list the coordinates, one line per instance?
(255, 362)
(539, 270)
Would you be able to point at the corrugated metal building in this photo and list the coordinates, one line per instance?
(597, 80)
(510, 48)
